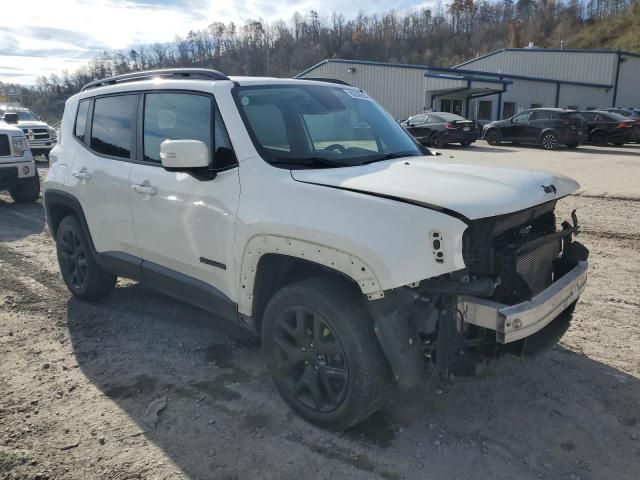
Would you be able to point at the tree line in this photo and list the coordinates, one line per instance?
(444, 35)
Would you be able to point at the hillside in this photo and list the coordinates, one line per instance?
(619, 32)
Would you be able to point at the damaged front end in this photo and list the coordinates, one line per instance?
(522, 279)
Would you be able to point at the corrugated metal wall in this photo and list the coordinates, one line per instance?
(629, 83)
(399, 90)
(569, 65)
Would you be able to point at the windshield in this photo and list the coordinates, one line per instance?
(25, 116)
(310, 125)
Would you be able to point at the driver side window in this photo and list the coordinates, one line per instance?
(521, 117)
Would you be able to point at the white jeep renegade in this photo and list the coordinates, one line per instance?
(18, 172)
(303, 210)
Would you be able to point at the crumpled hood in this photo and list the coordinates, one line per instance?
(474, 191)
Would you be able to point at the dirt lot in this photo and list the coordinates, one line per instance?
(142, 386)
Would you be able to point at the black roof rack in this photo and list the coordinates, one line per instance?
(194, 73)
(328, 80)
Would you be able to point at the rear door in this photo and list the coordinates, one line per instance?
(185, 223)
(538, 121)
(105, 128)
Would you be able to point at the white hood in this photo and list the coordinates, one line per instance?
(474, 191)
(32, 124)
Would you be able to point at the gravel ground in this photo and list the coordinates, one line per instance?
(143, 386)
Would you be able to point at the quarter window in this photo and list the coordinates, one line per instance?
(113, 125)
(81, 120)
(175, 116)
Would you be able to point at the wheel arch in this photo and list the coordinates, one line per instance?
(549, 130)
(59, 204)
(269, 262)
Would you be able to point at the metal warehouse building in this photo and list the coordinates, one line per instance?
(497, 85)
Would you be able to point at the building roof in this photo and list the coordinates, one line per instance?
(550, 50)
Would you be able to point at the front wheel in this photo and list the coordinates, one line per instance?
(26, 190)
(493, 137)
(81, 273)
(549, 141)
(323, 353)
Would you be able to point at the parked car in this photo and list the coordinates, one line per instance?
(608, 127)
(549, 127)
(359, 260)
(18, 172)
(630, 114)
(438, 129)
(40, 136)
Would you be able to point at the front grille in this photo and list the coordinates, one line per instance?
(36, 133)
(5, 148)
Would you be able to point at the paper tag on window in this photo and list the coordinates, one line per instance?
(357, 94)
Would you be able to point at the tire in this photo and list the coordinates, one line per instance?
(27, 190)
(84, 278)
(600, 138)
(549, 141)
(572, 146)
(435, 140)
(493, 137)
(317, 326)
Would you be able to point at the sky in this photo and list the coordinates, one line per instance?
(50, 36)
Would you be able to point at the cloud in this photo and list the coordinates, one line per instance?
(66, 34)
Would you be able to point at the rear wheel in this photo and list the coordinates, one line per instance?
(549, 141)
(81, 273)
(323, 353)
(493, 137)
(26, 190)
(436, 140)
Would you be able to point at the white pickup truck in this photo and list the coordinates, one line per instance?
(18, 172)
(302, 210)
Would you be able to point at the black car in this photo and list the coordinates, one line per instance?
(630, 114)
(441, 128)
(549, 127)
(608, 127)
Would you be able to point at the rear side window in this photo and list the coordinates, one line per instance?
(81, 119)
(540, 115)
(113, 125)
(175, 116)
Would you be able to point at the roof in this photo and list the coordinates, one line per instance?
(476, 74)
(550, 50)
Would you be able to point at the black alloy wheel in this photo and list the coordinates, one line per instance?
(311, 360)
(84, 277)
(73, 260)
(323, 353)
(493, 137)
(549, 141)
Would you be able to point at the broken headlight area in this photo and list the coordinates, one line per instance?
(517, 260)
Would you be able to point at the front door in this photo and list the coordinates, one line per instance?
(100, 172)
(185, 223)
(515, 129)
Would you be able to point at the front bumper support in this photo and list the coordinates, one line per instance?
(515, 322)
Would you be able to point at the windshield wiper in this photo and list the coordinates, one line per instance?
(311, 161)
(389, 156)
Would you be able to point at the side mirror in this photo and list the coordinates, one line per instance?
(177, 155)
